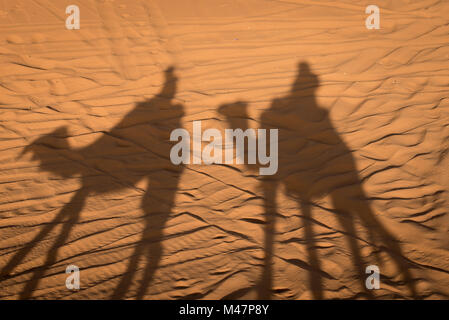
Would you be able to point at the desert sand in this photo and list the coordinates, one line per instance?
(86, 178)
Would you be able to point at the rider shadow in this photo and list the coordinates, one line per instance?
(136, 148)
(313, 162)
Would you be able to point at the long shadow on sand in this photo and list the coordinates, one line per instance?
(136, 148)
(313, 162)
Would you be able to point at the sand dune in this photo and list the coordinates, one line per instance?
(86, 178)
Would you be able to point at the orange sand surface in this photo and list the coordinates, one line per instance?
(86, 178)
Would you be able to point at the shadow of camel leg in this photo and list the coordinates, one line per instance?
(22, 253)
(72, 211)
(360, 208)
(390, 244)
(315, 279)
(347, 222)
(126, 280)
(158, 203)
(138, 254)
(265, 284)
(154, 257)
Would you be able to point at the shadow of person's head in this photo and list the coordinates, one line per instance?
(170, 84)
(301, 101)
(306, 81)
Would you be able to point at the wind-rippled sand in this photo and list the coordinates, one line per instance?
(85, 175)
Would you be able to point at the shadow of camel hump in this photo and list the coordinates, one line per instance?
(137, 148)
(315, 162)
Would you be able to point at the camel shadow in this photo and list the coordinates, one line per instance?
(314, 162)
(136, 148)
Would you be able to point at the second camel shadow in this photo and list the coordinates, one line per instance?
(137, 148)
(313, 161)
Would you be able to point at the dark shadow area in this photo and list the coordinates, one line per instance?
(315, 162)
(137, 148)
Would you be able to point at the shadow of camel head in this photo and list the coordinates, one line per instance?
(51, 152)
(235, 114)
(238, 109)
